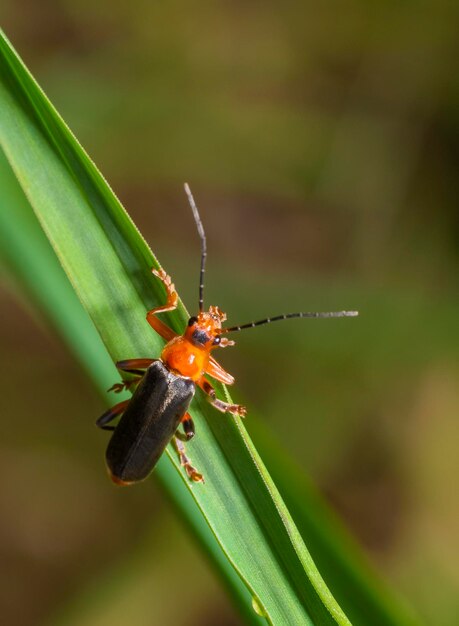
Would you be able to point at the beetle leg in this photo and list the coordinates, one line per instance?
(136, 368)
(188, 427)
(215, 370)
(191, 471)
(226, 343)
(171, 303)
(110, 415)
(133, 365)
(224, 407)
(125, 385)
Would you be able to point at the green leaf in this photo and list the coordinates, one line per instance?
(108, 264)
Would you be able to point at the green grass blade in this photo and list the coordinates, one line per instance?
(364, 597)
(25, 249)
(354, 584)
(108, 264)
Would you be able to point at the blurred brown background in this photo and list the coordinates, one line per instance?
(321, 143)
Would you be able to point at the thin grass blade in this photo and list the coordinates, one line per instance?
(108, 264)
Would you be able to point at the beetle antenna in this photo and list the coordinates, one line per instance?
(202, 236)
(288, 316)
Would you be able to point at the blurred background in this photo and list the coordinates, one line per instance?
(321, 143)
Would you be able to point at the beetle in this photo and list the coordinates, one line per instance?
(164, 387)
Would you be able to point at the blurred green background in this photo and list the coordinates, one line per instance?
(321, 143)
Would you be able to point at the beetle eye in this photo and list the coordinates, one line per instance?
(192, 321)
(216, 341)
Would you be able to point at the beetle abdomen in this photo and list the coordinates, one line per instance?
(148, 424)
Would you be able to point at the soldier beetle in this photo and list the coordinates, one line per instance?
(164, 387)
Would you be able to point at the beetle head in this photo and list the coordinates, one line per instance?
(204, 329)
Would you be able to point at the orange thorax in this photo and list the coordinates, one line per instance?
(184, 358)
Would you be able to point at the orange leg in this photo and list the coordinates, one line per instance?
(134, 367)
(130, 365)
(171, 303)
(188, 427)
(191, 471)
(226, 343)
(215, 370)
(110, 415)
(125, 385)
(224, 407)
